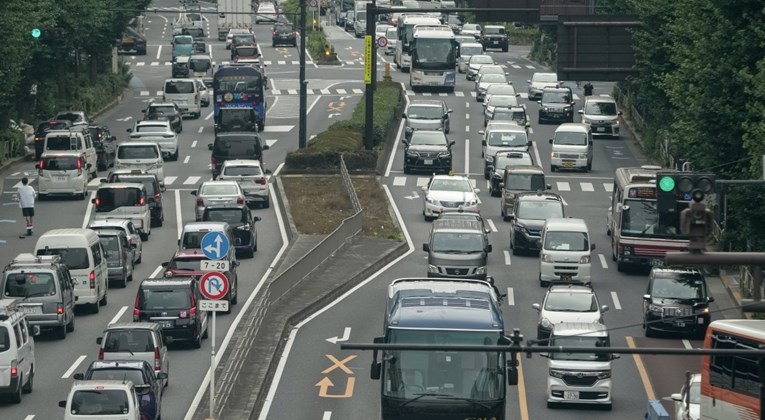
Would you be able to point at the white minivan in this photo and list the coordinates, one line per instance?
(101, 400)
(571, 147)
(81, 251)
(62, 173)
(17, 351)
(76, 138)
(185, 94)
(566, 251)
(143, 155)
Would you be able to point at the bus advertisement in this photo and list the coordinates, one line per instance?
(240, 85)
(443, 385)
(639, 234)
(433, 57)
(405, 29)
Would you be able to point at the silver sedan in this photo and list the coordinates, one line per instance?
(215, 193)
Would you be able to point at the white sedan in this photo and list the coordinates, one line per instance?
(448, 192)
(157, 131)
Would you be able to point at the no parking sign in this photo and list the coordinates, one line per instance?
(382, 42)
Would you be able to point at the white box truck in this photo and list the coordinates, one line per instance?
(233, 14)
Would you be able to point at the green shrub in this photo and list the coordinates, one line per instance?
(12, 143)
(337, 139)
(315, 44)
(387, 100)
(521, 36)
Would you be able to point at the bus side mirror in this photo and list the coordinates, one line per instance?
(426, 247)
(512, 374)
(488, 248)
(615, 356)
(374, 371)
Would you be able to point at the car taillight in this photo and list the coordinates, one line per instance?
(157, 197)
(200, 202)
(274, 33)
(101, 353)
(294, 33)
(193, 313)
(157, 366)
(92, 279)
(136, 311)
(212, 161)
(59, 309)
(142, 201)
(98, 202)
(41, 167)
(240, 200)
(79, 166)
(38, 138)
(14, 369)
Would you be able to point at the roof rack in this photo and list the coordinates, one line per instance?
(31, 259)
(7, 306)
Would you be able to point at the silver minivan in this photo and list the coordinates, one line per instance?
(135, 341)
(76, 139)
(426, 115)
(185, 94)
(119, 257)
(62, 173)
(143, 155)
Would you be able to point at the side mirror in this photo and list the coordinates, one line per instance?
(477, 190)
(215, 174)
(256, 219)
(592, 247)
(619, 113)
(144, 236)
(193, 192)
(37, 166)
(268, 172)
(615, 356)
(676, 397)
(266, 147)
(481, 132)
(548, 186)
(539, 102)
(129, 130)
(78, 376)
(404, 116)
(604, 308)
(488, 248)
(426, 247)
(405, 142)
(424, 188)
(528, 143)
(89, 166)
(710, 299)
(551, 141)
(451, 143)
(545, 355)
(113, 138)
(165, 264)
(62, 404)
(490, 279)
(99, 340)
(581, 111)
(93, 200)
(143, 111)
(528, 81)
(501, 185)
(209, 146)
(528, 124)
(35, 330)
(646, 297)
(162, 375)
(449, 111)
(536, 306)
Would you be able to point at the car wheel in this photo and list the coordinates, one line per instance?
(250, 253)
(551, 404)
(27, 389)
(70, 325)
(61, 332)
(621, 267)
(486, 174)
(267, 203)
(15, 398)
(552, 168)
(198, 342)
(140, 257)
(95, 308)
(649, 332)
(104, 300)
(407, 170)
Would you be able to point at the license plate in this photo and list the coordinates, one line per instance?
(165, 323)
(31, 309)
(60, 178)
(495, 42)
(568, 164)
(657, 263)
(428, 161)
(601, 129)
(679, 324)
(565, 278)
(570, 395)
(434, 84)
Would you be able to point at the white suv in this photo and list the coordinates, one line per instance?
(157, 131)
(602, 115)
(567, 303)
(17, 351)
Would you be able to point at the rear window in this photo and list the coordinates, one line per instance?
(100, 402)
(236, 116)
(63, 143)
(244, 148)
(53, 125)
(111, 246)
(183, 40)
(24, 285)
(108, 199)
(60, 163)
(192, 240)
(284, 29)
(244, 39)
(121, 341)
(69, 116)
(137, 152)
(133, 375)
(148, 183)
(494, 31)
(162, 110)
(5, 339)
(190, 264)
(196, 33)
(218, 189)
(74, 258)
(242, 171)
(179, 86)
(153, 128)
(247, 51)
(231, 215)
(156, 299)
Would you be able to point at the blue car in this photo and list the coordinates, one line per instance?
(242, 222)
(148, 385)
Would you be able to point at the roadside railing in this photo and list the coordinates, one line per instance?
(348, 184)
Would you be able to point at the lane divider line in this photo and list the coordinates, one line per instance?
(650, 394)
(617, 304)
(603, 262)
(88, 210)
(178, 219)
(510, 296)
(492, 226)
(72, 368)
(118, 316)
(508, 261)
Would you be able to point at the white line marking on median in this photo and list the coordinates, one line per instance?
(72, 368)
(398, 136)
(156, 271)
(29, 417)
(88, 210)
(467, 157)
(178, 217)
(536, 152)
(491, 225)
(687, 344)
(327, 415)
(617, 304)
(508, 261)
(186, 159)
(189, 181)
(209, 115)
(603, 263)
(193, 144)
(510, 297)
(119, 315)
(467, 128)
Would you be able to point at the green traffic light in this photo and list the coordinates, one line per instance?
(667, 184)
(36, 33)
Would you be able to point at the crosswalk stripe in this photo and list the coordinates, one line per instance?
(191, 180)
(409, 93)
(524, 95)
(442, 94)
(270, 142)
(472, 94)
(563, 186)
(515, 66)
(268, 62)
(459, 93)
(422, 181)
(427, 94)
(587, 186)
(282, 62)
(399, 181)
(154, 63)
(278, 128)
(350, 63)
(168, 63)
(325, 91)
(608, 187)
(529, 66)
(140, 64)
(276, 92)
(170, 179)
(341, 91)
(292, 91)
(160, 93)
(144, 93)
(360, 91)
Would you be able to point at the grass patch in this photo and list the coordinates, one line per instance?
(377, 222)
(318, 204)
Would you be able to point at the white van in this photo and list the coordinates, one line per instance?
(80, 250)
(76, 138)
(62, 173)
(101, 400)
(185, 94)
(143, 155)
(571, 147)
(17, 349)
(566, 252)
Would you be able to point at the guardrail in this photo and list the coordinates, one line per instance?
(747, 283)
(348, 184)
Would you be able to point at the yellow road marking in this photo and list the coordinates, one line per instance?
(339, 364)
(641, 369)
(522, 405)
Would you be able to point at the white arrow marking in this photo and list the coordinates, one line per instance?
(125, 119)
(413, 196)
(334, 115)
(345, 337)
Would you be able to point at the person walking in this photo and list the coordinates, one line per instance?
(588, 88)
(27, 195)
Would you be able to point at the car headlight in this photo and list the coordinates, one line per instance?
(481, 270)
(546, 323)
(489, 160)
(547, 258)
(615, 123)
(555, 154)
(557, 373)
(412, 154)
(583, 156)
(604, 374)
(497, 175)
(546, 109)
(654, 308)
(432, 201)
(585, 259)
(432, 268)
(567, 109)
(445, 155)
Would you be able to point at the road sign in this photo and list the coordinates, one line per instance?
(314, 3)
(213, 285)
(213, 265)
(368, 59)
(214, 305)
(382, 42)
(215, 245)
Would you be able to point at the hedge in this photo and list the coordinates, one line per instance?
(387, 99)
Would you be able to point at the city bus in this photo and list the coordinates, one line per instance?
(240, 85)
(730, 385)
(433, 52)
(442, 385)
(405, 30)
(638, 234)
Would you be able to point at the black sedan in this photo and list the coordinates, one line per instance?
(241, 221)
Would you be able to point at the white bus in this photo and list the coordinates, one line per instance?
(433, 57)
(405, 29)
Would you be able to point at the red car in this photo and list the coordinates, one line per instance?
(187, 263)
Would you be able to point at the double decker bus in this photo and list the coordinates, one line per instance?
(433, 57)
(730, 385)
(639, 234)
(240, 86)
(405, 30)
(442, 385)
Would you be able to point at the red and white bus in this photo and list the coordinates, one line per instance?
(639, 234)
(730, 385)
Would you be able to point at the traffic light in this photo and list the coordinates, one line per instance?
(679, 186)
(696, 221)
(36, 32)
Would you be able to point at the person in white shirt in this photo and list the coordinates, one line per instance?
(27, 196)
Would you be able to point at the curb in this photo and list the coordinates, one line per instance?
(733, 291)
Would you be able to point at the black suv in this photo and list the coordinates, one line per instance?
(556, 105)
(427, 150)
(43, 128)
(165, 111)
(236, 120)
(531, 212)
(677, 300)
(181, 67)
(228, 146)
(494, 36)
(153, 191)
(105, 144)
(173, 302)
(283, 33)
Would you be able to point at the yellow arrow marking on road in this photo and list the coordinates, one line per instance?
(336, 106)
(325, 383)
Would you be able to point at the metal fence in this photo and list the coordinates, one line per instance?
(348, 184)
(747, 283)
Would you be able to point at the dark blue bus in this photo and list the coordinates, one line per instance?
(242, 86)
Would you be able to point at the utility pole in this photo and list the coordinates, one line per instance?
(303, 83)
(369, 52)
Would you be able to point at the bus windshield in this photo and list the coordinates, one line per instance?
(434, 54)
(640, 218)
(450, 375)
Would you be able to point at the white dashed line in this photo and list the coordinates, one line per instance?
(191, 180)
(687, 344)
(492, 226)
(508, 261)
(510, 297)
(617, 304)
(193, 144)
(186, 159)
(603, 263)
(200, 130)
(72, 368)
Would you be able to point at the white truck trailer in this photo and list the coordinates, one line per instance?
(233, 14)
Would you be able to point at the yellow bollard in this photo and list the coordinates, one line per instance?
(387, 71)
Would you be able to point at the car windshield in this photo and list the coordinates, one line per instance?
(133, 375)
(525, 182)
(507, 139)
(566, 241)
(425, 112)
(428, 139)
(517, 116)
(60, 163)
(108, 199)
(244, 170)
(512, 159)
(242, 148)
(162, 110)
(470, 50)
(579, 341)
(176, 87)
(457, 242)
(154, 128)
(471, 27)
(137, 152)
(111, 246)
(361, 15)
(493, 78)
(63, 143)
(494, 31)
(23, 285)
(148, 182)
(218, 189)
(556, 98)
(540, 210)
(194, 32)
(183, 40)
(74, 258)
(232, 215)
(69, 116)
(157, 299)
(600, 108)
(128, 341)
(570, 139)
(458, 185)
(186, 264)
(677, 288)
(571, 302)
(92, 402)
(481, 59)
(391, 34)
(545, 77)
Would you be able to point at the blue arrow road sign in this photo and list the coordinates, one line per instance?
(215, 245)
